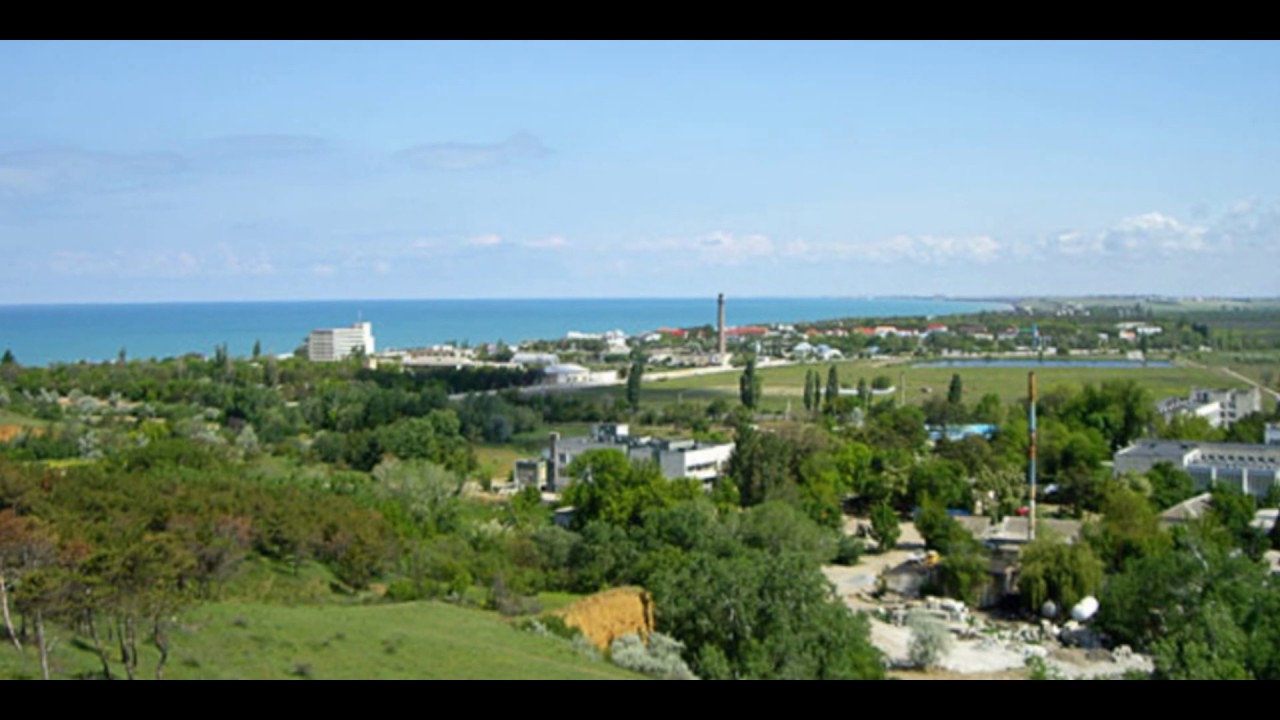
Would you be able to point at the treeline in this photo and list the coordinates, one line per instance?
(115, 551)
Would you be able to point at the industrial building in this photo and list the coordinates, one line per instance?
(1251, 468)
(333, 344)
(676, 458)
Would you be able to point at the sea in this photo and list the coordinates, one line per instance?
(44, 334)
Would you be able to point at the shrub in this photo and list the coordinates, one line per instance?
(884, 526)
(930, 642)
(660, 657)
(849, 550)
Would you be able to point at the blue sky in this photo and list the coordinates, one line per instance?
(158, 171)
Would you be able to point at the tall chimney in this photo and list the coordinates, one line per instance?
(720, 347)
(1031, 451)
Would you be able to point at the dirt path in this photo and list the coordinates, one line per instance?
(1251, 381)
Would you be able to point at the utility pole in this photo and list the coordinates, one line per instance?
(1031, 452)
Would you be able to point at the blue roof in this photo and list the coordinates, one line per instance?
(959, 432)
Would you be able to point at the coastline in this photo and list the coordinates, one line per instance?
(45, 334)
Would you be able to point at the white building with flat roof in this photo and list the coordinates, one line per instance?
(676, 458)
(1222, 408)
(333, 344)
(1252, 468)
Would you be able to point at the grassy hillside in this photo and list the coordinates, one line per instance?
(403, 641)
(8, 417)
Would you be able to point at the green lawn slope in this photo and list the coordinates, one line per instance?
(424, 640)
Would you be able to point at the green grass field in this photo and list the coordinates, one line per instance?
(11, 418)
(403, 641)
(496, 461)
(787, 383)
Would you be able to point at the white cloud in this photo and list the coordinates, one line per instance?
(323, 270)
(69, 262)
(555, 241)
(234, 264)
(1142, 235)
(722, 248)
(927, 249)
(1153, 232)
(717, 248)
(485, 240)
(1248, 224)
(161, 264)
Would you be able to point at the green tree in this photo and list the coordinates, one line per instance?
(965, 566)
(955, 392)
(427, 495)
(609, 487)
(257, 349)
(1169, 485)
(1234, 510)
(1129, 529)
(833, 388)
(1058, 571)
(937, 528)
(8, 358)
(763, 615)
(884, 526)
(1202, 609)
(810, 390)
(634, 378)
(989, 410)
(750, 386)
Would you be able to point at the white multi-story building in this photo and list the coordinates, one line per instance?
(676, 458)
(332, 344)
(1220, 407)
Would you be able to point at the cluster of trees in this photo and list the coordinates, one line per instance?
(114, 551)
(743, 591)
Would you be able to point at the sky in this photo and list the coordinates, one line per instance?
(206, 171)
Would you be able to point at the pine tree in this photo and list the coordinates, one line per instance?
(955, 393)
(634, 376)
(833, 387)
(809, 392)
(750, 386)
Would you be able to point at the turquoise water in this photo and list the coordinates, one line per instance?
(1032, 363)
(41, 334)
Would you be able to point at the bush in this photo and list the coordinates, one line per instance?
(884, 526)
(659, 658)
(849, 550)
(930, 641)
(555, 625)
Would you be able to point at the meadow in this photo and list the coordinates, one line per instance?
(315, 635)
(785, 385)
